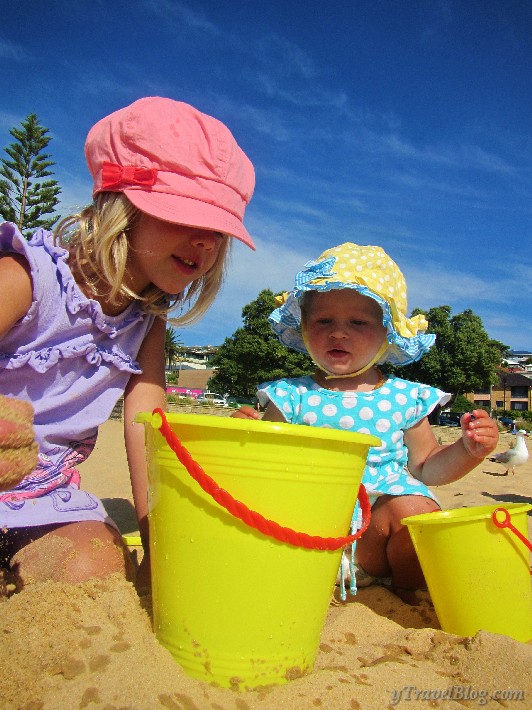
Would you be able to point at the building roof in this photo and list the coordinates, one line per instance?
(514, 379)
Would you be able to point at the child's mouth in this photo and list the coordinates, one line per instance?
(188, 265)
(337, 353)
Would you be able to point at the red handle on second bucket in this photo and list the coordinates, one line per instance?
(252, 518)
(506, 522)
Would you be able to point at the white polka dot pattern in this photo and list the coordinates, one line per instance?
(385, 413)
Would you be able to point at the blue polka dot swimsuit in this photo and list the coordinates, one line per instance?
(385, 412)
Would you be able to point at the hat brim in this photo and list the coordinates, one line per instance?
(285, 322)
(193, 213)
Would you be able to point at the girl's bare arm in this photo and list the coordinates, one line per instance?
(16, 291)
(144, 393)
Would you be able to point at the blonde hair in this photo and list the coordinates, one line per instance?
(97, 241)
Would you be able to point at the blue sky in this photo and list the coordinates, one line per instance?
(406, 124)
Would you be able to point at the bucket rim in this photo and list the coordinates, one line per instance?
(466, 514)
(258, 426)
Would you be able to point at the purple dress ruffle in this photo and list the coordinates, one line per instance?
(72, 362)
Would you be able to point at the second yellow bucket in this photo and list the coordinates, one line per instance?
(478, 575)
(235, 607)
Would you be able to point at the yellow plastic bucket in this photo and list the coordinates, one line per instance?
(478, 575)
(234, 606)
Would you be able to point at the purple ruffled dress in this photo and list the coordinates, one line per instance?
(72, 362)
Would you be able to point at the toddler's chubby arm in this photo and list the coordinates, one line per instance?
(245, 412)
(272, 414)
(437, 465)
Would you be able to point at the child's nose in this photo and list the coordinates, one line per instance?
(338, 332)
(206, 239)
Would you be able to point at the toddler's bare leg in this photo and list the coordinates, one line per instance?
(386, 548)
(74, 552)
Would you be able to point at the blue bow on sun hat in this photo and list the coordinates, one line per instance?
(371, 272)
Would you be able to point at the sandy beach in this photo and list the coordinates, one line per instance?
(91, 645)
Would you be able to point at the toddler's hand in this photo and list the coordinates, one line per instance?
(245, 412)
(18, 450)
(480, 433)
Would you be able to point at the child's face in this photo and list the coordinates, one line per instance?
(170, 256)
(344, 330)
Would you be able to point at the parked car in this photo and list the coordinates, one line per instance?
(506, 421)
(447, 421)
(212, 398)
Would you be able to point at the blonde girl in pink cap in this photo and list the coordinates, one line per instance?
(83, 320)
(348, 311)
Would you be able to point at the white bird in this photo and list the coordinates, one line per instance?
(516, 456)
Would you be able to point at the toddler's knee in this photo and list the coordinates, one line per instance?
(404, 506)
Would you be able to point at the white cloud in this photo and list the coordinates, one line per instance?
(7, 121)
(179, 14)
(14, 52)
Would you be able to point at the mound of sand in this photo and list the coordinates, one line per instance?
(91, 645)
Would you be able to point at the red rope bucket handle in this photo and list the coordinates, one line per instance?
(252, 518)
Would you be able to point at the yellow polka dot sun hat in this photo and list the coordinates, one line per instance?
(371, 272)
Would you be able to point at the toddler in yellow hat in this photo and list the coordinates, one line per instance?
(348, 311)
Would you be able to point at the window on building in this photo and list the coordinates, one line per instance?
(518, 406)
(520, 392)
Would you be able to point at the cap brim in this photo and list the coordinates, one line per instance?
(193, 213)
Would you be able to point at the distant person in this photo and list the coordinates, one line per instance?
(84, 313)
(348, 312)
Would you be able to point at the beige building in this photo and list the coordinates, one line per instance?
(512, 392)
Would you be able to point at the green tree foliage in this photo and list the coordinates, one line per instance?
(172, 347)
(25, 196)
(462, 404)
(464, 358)
(253, 354)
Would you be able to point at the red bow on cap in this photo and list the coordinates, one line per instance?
(114, 175)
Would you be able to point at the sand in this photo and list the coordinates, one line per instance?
(91, 645)
(18, 450)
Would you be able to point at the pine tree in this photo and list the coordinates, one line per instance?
(24, 195)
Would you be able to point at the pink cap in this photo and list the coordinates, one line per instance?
(174, 163)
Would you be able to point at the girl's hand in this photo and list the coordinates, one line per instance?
(480, 433)
(18, 450)
(246, 412)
